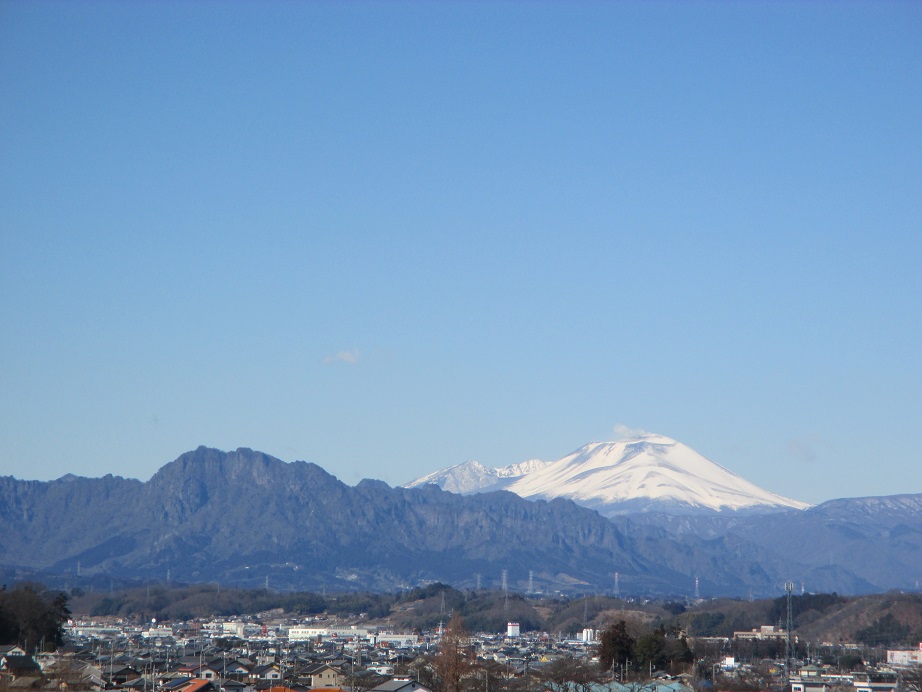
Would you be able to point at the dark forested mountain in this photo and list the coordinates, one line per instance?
(243, 516)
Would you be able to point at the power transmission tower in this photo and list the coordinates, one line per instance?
(789, 587)
(505, 590)
(531, 581)
(442, 616)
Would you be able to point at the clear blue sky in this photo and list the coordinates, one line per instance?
(389, 237)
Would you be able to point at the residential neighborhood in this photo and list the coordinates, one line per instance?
(272, 652)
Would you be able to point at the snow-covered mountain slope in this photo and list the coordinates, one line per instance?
(646, 470)
(643, 473)
(474, 477)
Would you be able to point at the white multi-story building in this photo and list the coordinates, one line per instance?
(351, 632)
(303, 634)
(905, 657)
(876, 681)
(395, 639)
(94, 631)
(155, 632)
(234, 629)
(764, 632)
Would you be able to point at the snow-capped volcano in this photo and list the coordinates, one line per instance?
(643, 473)
(474, 477)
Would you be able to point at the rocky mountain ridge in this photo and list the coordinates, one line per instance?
(242, 516)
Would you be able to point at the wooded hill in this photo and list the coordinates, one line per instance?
(892, 619)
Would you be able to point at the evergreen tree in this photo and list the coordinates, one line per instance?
(31, 616)
(649, 650)
(615, 646)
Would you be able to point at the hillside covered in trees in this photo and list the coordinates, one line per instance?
(892, 619)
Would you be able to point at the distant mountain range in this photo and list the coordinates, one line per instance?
(645, 473)
(241, 517)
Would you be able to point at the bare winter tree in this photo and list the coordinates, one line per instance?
(567, 674)
(911, 679)
(453, 661)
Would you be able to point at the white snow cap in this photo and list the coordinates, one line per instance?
(646, 466)
(645, 471)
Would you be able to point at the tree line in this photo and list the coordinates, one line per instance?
(32, 617)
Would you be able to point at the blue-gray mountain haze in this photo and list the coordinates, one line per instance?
(242, 516)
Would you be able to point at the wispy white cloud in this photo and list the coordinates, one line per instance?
(624, 431)
(350, 357)
(805, 447)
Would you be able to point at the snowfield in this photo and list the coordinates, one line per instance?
(647, 472)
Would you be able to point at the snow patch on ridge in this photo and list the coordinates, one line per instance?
(474, 477)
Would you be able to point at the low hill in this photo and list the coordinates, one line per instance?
(878, 620)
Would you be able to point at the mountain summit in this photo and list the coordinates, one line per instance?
(643, 473)
(474, 477)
